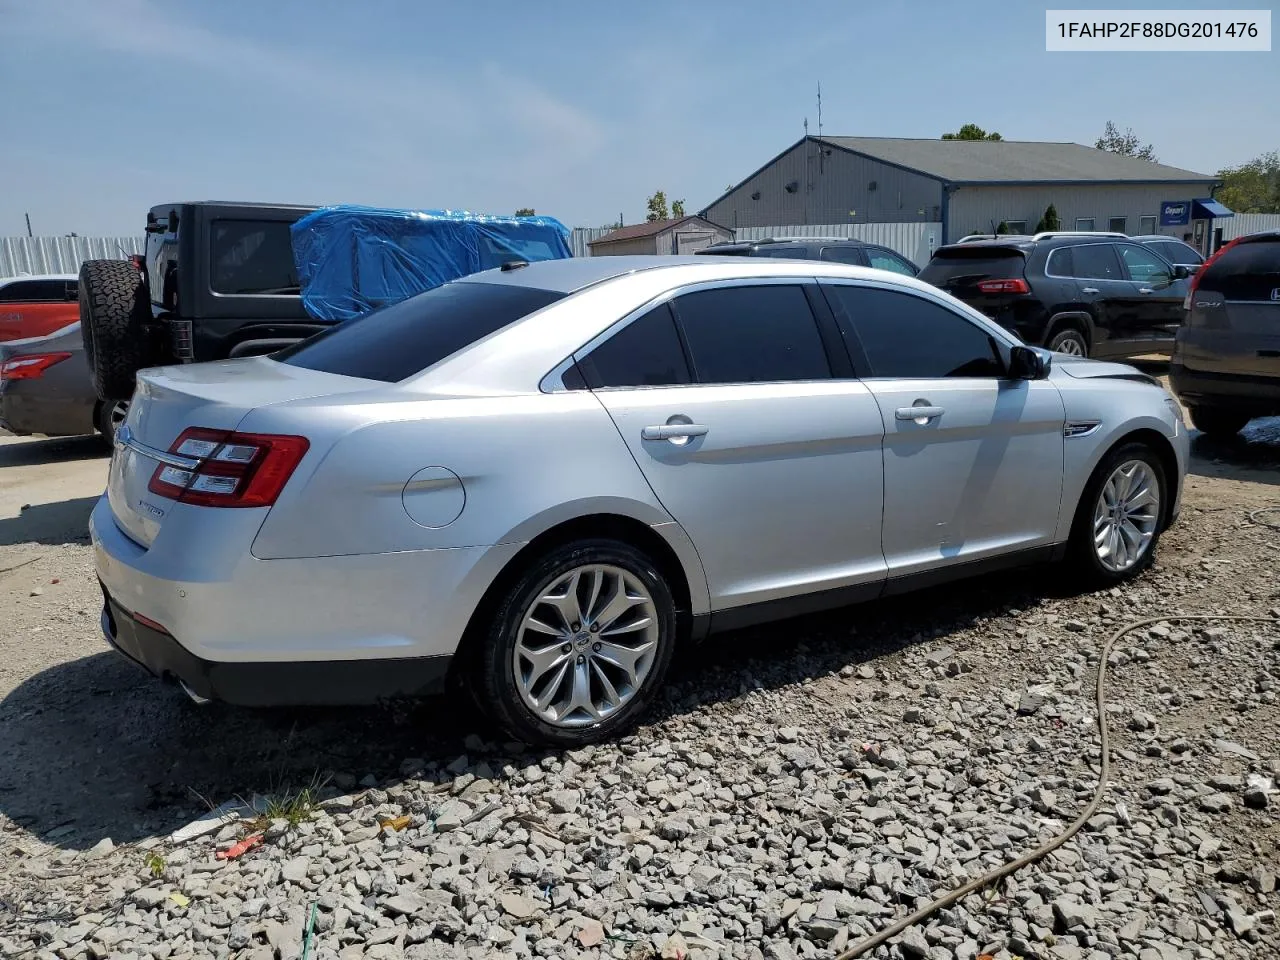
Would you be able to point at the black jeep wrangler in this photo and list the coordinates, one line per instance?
(217, 280)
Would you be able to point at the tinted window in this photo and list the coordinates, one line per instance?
(1143, 265)
(783, 253)
(965, 266)
(1176, 252)
(884, 260)
(252, 256)
(908, 336)
(1091, 261)
(645, 353)
(405, 338)
(843, 255)
(752, 334)
(1248, 271)
(34, 291)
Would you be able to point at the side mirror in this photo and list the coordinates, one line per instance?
(1181, 271)
(1027, 364)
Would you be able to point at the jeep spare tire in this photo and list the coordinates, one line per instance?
(113, 324)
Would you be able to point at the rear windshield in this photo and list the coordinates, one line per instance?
(1248, 271)
(965, 266)
(407, 337)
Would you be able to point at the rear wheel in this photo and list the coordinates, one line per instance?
(109, 417)
(114, 313)
(578, 645)
(1217, 422)
(1118, 521)
(1069, 341)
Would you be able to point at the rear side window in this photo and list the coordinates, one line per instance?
(1248, 271)
(644, 353)
(403, 339)
(906, 336)
(252, 257)
(752, 334)
(967, 266)
(1090, 261)
(783, 253)
(843, 255)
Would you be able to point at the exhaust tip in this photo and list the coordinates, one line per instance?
(195, 697)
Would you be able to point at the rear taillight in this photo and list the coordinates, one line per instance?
(1004, 286)
(1199, 274)
(30, 368)
(230, 469)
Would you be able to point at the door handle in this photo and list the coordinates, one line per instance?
(921, 413)
(1145, 290)
(1090, 290)
(675, 432)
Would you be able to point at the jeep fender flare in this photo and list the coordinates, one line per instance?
(1080, 319)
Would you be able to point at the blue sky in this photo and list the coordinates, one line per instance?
(577, 109)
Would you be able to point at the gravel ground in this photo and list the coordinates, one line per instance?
(798, 787)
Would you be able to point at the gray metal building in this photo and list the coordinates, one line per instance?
(970, 186)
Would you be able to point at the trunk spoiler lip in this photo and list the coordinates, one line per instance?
(125, 438)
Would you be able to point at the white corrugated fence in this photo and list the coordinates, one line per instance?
(19, 255)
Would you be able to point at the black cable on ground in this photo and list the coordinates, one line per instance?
(1100, 702)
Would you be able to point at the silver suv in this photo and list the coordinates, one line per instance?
(1226, 359)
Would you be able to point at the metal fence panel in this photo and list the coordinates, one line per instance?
(32, 255)
(1243, 224)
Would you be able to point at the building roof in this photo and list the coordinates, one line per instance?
(1011, 161)
(649, 229)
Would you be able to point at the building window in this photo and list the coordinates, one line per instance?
(1118, 224)
(1016, 226)
(1084, 223)
(1148, 225)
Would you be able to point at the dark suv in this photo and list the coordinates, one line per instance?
(835, 249)
(1226, 362)
(1099, 295)
(217, 280)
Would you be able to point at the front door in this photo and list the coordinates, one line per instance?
(729, 403)
(1157, 297)
(1102, 285)
(972, 459)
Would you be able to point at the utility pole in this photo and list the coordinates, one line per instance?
(28, 216)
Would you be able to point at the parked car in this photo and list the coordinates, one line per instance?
(1173, 250)
(542, 480)
(1226, 361)
(37, 306)
(45, 389)
(1082, 294)
(832, 249)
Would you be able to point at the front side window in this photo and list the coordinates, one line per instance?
(752, 334)
(1144, 266)
(908, 336)
(252, 257)
(1176, 252)
(644, 353)
(884, 260)
(405, 338)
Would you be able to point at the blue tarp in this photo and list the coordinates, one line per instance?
(352, 260)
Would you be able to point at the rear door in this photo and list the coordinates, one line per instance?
(1235, 311)
(1102, 285)
(740, 409)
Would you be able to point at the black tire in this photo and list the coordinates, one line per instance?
(114, 314)
(104, 420)
(1067, 337)
(1217, 422)
(1081, 552)
(494, 682)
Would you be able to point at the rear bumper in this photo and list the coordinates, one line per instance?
(1259, 395)
(22, 414)
(332, 682)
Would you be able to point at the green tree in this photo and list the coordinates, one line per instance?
(525, 212)
(1126, 144)
(1049, 221)
(677, 209)
(1003, 228)
(1252, 187)
(971, 131)
(658, 207)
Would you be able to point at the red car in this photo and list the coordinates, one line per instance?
(37, 306)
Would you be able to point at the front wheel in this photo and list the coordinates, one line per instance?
(1118, 521)
(578, 645)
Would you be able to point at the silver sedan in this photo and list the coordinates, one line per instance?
(542, 480)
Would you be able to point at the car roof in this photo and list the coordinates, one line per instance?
(38, 276)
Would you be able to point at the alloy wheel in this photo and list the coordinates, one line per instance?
(1071, 347)
(1126, 515)
(585, 645)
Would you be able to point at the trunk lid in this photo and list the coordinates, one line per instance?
(218, 396)
(1234, 320)
(960, 268)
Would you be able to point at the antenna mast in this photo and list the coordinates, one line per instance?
(819, 108)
